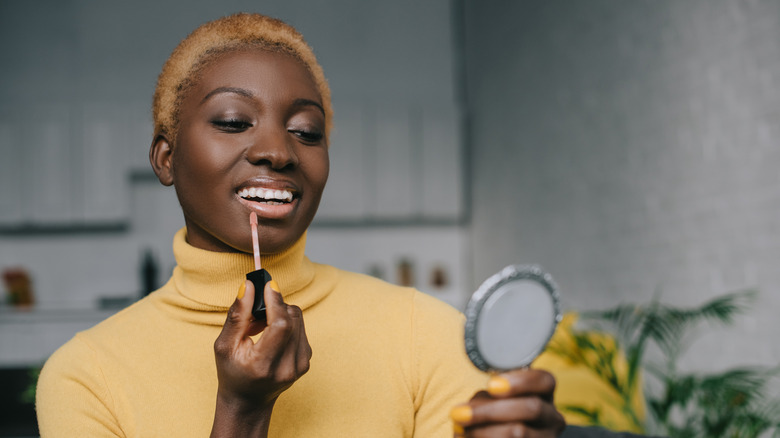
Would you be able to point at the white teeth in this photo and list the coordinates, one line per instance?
(274, 196)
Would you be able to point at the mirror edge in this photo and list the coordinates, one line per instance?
(478, 299)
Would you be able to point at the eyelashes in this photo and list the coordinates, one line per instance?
(231, 125)
(305, 135)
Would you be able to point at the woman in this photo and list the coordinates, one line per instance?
(242, 115)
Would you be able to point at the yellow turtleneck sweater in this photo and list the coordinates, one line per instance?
(387, 361)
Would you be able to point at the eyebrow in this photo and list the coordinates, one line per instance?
(309, 102)
(246, 93)
(235, 90)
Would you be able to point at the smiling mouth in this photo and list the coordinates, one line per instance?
(267, 196)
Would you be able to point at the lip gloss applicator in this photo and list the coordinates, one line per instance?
(259, 277)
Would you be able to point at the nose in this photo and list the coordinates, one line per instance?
(272, 146)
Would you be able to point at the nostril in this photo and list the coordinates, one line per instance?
(277, 155)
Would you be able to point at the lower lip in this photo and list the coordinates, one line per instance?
(269, 211)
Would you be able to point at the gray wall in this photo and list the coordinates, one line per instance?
(630, 148)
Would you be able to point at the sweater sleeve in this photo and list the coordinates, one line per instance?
(444, 376)
(72, 399)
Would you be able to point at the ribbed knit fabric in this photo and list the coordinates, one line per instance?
(387, 361)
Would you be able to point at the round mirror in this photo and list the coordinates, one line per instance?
(511, 317)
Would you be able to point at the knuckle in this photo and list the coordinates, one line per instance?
(534, 407)
(233, 316)
(287, 375)
(547, 380)
(282, 324)
(519, 431)
(221, 348)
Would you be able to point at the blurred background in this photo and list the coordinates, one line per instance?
(629, 147)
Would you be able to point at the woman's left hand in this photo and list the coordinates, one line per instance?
(517, 403)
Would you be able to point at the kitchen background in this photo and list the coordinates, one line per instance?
(630, 147)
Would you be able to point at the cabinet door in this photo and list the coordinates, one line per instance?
(395, 182)
(104, 175)
(48, 162)
(347, 192)
(11, 168)
(442, 190)
(138, 135)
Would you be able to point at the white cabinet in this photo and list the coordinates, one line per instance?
(104, 180)
(347, 193)
(394, 163)
(64, 165)
(391, 163)
(442, 191)
(396, 177)
(38, 160)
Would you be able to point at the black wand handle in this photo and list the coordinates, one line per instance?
(259, 278)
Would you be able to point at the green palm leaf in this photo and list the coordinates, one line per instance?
(733, 403)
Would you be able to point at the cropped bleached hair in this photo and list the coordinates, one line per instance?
(234, 32)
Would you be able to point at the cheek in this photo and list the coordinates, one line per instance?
(319, 168)
(195, 160)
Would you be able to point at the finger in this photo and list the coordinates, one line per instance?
(271, 346)
(288, 368)
(301, 343)
(529, 410)
(304, 348)
(513, 430)
(239, 317)
(523, 382)
(275, 307)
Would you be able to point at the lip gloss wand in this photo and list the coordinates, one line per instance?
(259, 277)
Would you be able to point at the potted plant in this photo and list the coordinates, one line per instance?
(616, 345)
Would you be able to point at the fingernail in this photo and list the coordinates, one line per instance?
(461, 414)
(273, 285)
(498, 385)
(241, 290)
(458, 430)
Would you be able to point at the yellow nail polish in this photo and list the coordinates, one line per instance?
(461, 414)
(458, 430)
(241, 290)
(274, 285)
(498, 385)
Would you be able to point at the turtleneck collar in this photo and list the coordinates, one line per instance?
(209, 281)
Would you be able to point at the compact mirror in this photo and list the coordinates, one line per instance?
(511, 317)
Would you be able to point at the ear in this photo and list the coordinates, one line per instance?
(160, 155)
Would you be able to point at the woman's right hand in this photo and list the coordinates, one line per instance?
(252, 374)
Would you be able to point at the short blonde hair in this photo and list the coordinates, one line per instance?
(234, 32)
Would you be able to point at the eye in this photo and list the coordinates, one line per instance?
(231, 125)
(307, 136)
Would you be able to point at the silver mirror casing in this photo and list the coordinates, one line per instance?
(511, 317)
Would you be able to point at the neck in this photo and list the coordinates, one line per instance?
(212, 278)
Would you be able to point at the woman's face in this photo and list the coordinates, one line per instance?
(250, 139)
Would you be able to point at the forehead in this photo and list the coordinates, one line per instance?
(261, 71)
